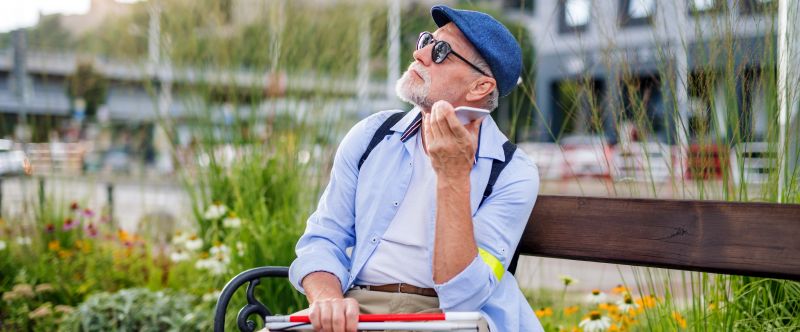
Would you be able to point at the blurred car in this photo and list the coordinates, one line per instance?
(586, 155)
(117, 160)
(13, 161)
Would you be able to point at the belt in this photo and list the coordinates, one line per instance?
(400, 288)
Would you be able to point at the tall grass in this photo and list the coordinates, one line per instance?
(725, 69)
(263, 150)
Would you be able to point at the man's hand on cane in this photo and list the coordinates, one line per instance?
(329, 310)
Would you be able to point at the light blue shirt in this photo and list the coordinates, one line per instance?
(357, 206)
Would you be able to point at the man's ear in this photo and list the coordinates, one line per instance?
(480, 88)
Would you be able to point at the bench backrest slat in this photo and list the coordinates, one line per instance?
(757, 239)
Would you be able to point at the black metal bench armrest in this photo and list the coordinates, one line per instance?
(253, 276)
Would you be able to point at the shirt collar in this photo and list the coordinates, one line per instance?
(490, 139)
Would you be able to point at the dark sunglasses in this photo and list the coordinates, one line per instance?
(441, 49)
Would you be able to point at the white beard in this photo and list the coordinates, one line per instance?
(408, 90)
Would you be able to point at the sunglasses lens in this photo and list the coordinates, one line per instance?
(440, 51)
(424, 39)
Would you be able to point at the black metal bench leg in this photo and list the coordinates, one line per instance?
(253, 278)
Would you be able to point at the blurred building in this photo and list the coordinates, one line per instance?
(99, 11)
(696, 63)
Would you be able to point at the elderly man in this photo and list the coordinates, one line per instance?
(417, 216)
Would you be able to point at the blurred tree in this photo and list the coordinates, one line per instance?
(48, 34)
(120, 37)
(87, 84)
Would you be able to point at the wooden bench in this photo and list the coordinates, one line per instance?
(753, 239)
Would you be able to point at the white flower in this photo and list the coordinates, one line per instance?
(215, 211)
(221, 253)
(2, 245)
(180, 238)
(303, 156)
(627, 304)
(240, 249)
(595, 322)
(214, 266)
(24, 240)
(211, 296)
(179, 256)
(596, 297)
(193, 243)
(232, 222)
(188, 317)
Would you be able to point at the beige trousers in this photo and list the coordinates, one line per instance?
(372, 302)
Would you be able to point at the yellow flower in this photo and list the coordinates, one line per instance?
(610, 307)
(648, 301)
(620, 289)
(679, 319)
(123, 236)
(571, 310)
(712, 305)
(54, 245)
(544, 312)
(64, 254)
(83, 246)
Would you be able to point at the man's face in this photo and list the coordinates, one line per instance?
(426, 82)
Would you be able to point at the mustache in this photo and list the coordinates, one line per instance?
(422, 71)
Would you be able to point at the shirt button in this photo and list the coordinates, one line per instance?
(410, 164)
(396, 203)
(374, 240)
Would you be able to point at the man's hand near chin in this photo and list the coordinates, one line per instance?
(329, 310)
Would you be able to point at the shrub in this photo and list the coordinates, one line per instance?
(138, 309)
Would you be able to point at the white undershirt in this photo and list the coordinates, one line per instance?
(403, 256)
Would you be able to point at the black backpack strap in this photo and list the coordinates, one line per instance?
(382, 131)
(497, 167)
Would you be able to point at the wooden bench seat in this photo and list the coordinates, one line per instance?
(754, 239)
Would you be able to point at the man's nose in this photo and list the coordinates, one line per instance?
(423, 55)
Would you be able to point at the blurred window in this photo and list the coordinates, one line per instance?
(759, 6)
(637, 12)
(575, 15)
(705, 6)
(525, 6)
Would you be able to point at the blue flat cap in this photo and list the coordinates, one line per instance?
(492, 40)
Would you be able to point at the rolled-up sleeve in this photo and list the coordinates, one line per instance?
(330, 230)
(498, 225)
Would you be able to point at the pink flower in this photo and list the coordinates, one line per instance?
(90, 230)
(69, 224)
(50, 228)
(74, 206)
(88, 213)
